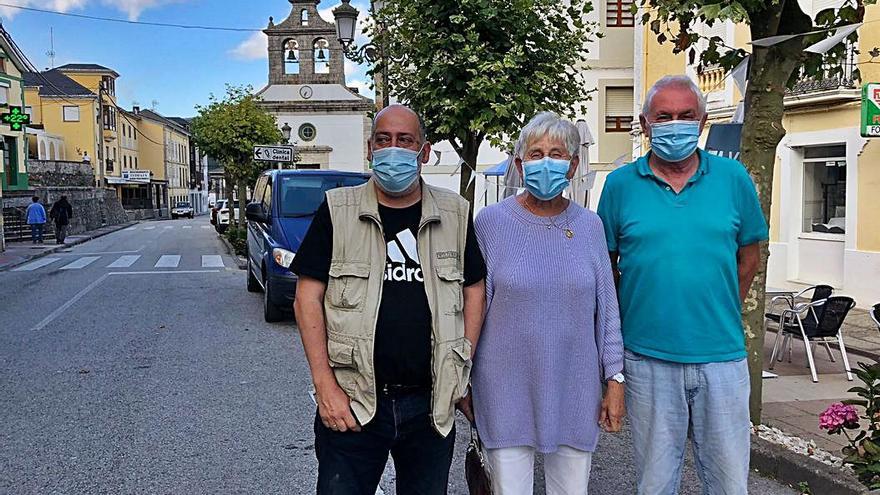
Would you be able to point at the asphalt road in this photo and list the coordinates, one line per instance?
(138, 363)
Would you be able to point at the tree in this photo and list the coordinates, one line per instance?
(772, 70)
(228, 130)
(480, 69)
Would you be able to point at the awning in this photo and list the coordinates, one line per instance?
(497, 170)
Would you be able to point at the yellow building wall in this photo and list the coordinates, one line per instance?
(151, 153)
(92, 82)
(180, 163)
(659, 60)
(79, 137)
(868, 233)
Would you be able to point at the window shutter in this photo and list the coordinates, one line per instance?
(618, 102)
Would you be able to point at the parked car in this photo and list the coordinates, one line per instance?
(223, 216)
(279, 216)
(183, 209)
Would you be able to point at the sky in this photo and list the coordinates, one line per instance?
(176, 69)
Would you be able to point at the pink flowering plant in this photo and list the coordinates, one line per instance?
(842, 418)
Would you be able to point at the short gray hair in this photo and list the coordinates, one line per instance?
(679, 81)
(552, 125)
(423, 135)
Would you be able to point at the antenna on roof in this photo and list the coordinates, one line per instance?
(51, 52)
(154, 104)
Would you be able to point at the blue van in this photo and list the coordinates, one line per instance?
(281, 210)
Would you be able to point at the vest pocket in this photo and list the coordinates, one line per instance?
(455, 371)
(450, 287)
(344, 365)
(347, 286)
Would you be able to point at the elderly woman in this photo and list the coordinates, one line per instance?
(551, 337)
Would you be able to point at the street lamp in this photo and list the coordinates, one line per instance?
(346, 25)
(285, 131)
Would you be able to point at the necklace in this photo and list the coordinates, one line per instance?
(564, 227)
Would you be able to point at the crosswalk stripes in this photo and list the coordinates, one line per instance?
(187, 226)
(212, 261)
(81, 263)
(36, 264)
(206, 226)
(124, 261)
(169, 226)
(151, 227)
(168, 261)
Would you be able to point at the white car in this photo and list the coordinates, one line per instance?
(183, 209)
(223, 215)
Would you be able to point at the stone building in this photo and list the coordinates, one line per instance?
(330, 122)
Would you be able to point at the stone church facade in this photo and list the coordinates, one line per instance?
(330, 122)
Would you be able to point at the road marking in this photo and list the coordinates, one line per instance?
(76, 253)
(36, 264)
(150, 227)
(212, 261)
(167, 272)
(169, 226)
(206, 226)
(124, 261)
(61, 309)
(130, 229)
(187, 226)
(81, 263)
(168, 261)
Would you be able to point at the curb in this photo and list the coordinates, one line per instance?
(239, 261)
(84, 239)
(791, 468)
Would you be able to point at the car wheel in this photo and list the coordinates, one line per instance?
(271, 312)
(174, 217)
(253, 285)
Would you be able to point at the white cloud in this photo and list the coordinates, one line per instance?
(256, 47)
(362, 86)
(133, 8)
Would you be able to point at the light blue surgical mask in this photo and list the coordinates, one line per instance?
(546, 178)
(675, 141)
(396, 169)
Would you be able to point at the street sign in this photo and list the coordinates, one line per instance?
(16, 118)
(871, 110)
(136, 176)
(273, 153)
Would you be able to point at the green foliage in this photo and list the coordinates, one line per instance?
(804, 488)
(863, 453)
(228, 130)
(478, 69)
(685, 15)
(237, 236)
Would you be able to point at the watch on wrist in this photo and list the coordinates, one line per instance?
(618, 378)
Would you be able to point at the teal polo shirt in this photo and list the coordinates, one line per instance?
(679, 282)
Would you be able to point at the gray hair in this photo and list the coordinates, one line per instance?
(550, 125)
(678, 81)
(423, 135)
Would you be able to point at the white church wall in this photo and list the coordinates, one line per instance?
(343, 133)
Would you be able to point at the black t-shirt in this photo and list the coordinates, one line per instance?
(402, 351)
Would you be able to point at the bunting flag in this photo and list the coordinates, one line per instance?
(823, 46)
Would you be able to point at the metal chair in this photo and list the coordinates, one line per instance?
(875, 314)
(815, 322)
(819, 293)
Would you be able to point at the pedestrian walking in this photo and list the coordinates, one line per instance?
(61, 213)
(551, 340)
(36, 218)
(389, 305)
(684, 229)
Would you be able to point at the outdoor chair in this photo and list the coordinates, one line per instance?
(819, 292)
(875, 315)
(814, 322)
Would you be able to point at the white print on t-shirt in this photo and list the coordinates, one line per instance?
(395, 268)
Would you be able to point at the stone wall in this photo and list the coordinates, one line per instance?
(136, 215)
(93, 208)
(60, 174)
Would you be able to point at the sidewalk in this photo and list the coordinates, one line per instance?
(18, 253)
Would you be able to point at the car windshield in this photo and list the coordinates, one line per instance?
(183, 205)
(302, 195)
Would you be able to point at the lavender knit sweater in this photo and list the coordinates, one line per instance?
(552, 330)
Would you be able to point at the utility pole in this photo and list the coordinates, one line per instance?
(51, 53)
(100, 149)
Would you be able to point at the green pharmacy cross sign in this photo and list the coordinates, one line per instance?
(16, 118)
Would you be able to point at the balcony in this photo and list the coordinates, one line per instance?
(830, 80)
(711, 79)
(109, 134)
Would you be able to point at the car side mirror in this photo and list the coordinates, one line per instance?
(255, 212)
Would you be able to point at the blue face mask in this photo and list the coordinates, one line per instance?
(675, 141)
(395, 169)
(545, 178)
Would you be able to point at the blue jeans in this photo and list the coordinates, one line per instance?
(352, 463)
(667, 403)
(37, 232)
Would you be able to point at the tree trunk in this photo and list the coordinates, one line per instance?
(242, 203)
(469, 150)
(770, 70)
(230, 196)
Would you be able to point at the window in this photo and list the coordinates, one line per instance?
(307, 132)
(291, 57)
(619, 13)
(135, 162)
(322, 56)
(825, 189)
(71, 114)
(3, 64)
(304, 17)
(618, 109)
(29, 111)
(267, 197)
(4, 93)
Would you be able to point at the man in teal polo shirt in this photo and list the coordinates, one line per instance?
(684, 227)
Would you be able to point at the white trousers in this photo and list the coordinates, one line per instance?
(566, 471)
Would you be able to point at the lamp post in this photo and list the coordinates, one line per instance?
(346, 18)
(285, 132)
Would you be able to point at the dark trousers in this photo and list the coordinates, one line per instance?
(60, 233)
(36, 232)
(352, 463)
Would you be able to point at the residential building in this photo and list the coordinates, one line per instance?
(198, 170)
(164, 150)
(307, 91)
(13, 142)
(823, 222)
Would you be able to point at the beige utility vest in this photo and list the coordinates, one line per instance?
(354, 292)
